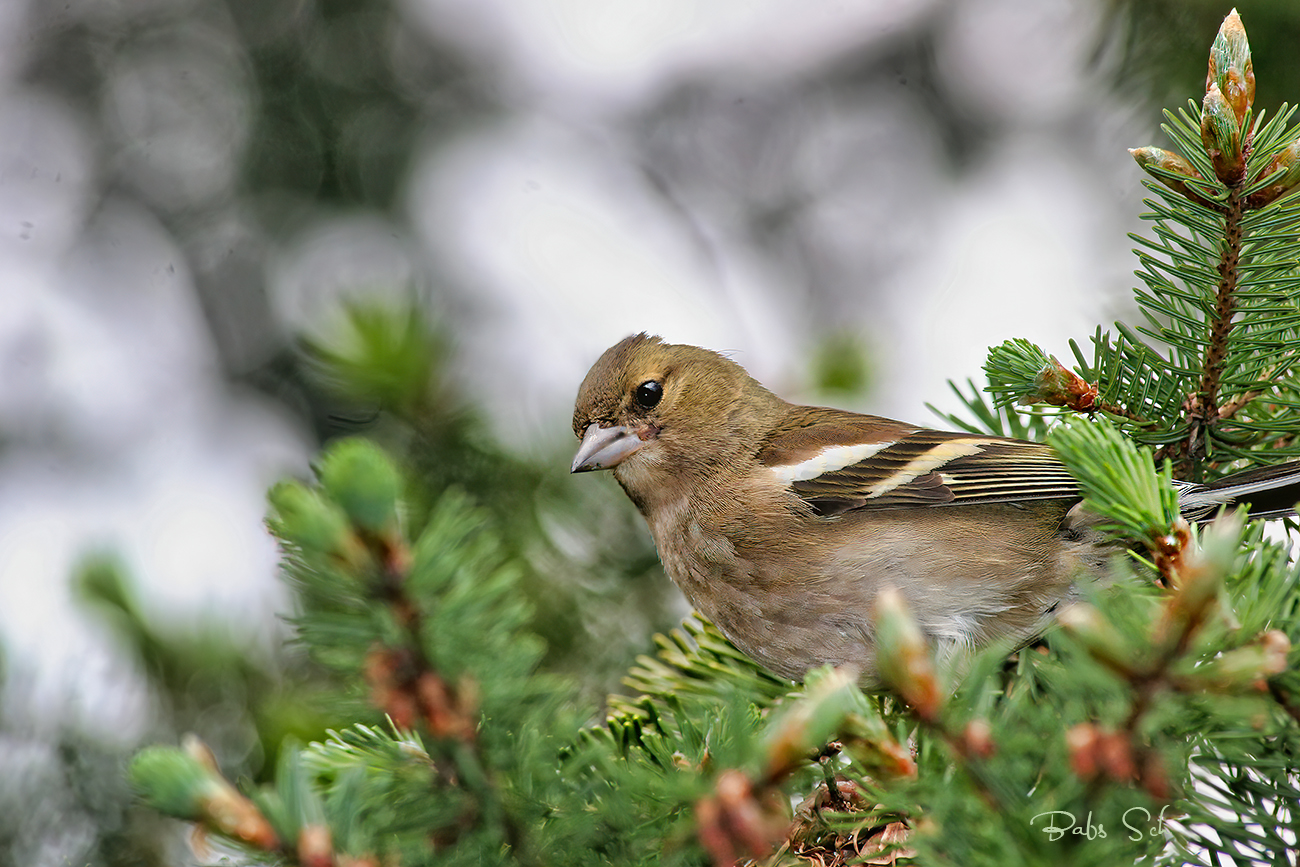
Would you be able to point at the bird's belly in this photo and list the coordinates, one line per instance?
(796, 608)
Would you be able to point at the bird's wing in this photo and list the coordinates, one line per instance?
(840, 461)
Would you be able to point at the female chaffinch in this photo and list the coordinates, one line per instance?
(781, 523)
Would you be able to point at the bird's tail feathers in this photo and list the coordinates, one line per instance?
(1271, 492)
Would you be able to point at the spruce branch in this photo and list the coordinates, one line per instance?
(1209, 377)
(1020, 371)
(741, 812)
(998, 418)
(1121, 487)
(188, 784)
(1203, 410)
(434, 631)
(907, 666)
(1179, 643)
(1230, 139)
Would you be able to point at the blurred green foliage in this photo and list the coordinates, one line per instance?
(1158, 46)
(841, 369)
(204, 677)
(346, 92)
(588, 566)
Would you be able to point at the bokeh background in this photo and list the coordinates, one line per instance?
(855, 199)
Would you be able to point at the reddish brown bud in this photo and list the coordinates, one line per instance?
(1095, 751)
(1081, 743)
(1196, 575)
(732, 822)
(449, 714)
(381, 671)
(977, 739)
(222, 808)
(315, 848)
(903, 657)
(1060, 386)
(1115, 756)
(1154, 778)
(1170, 553)
(354, 861)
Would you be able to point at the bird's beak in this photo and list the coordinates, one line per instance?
(604, 448)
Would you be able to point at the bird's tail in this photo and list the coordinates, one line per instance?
(1271, 492)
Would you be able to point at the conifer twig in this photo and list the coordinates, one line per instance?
(1203, 408)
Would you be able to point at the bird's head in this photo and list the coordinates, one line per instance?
(654, 411)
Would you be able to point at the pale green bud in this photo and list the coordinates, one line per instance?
(1221, 135)
(1230, 66)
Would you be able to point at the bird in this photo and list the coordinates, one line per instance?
(782, 523)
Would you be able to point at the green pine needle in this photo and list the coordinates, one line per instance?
(1118, 479)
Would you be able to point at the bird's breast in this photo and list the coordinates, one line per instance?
(695, 552)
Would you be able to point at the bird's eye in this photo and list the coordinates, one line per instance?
(648, 394)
